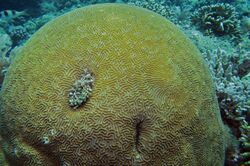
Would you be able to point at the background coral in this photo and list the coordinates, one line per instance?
(158, 6)
(218, 19)
(246, 24)
(18, 34)
(5, 43)
(153, 101)
(5, 46)
(233, 94)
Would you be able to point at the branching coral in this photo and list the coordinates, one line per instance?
(158, 6)
(233, 95)
(5, 46)
(5, 43)
(18, 34)
(4, 63)
(219, 19)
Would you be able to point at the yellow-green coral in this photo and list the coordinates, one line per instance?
(153, 102)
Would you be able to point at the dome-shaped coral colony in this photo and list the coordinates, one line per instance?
(150, 99)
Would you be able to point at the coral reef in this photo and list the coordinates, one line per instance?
(57, 5)
(246, 24)
(18, 34)
(205, 42)
(153, 101)
(233, 94)
(244, 68)
(4, 64)
(5, 46)
(219, 19)
(158, 6)
(176, 11)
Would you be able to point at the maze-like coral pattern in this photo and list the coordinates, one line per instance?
(153, 102)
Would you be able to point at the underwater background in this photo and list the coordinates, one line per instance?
(219, 28)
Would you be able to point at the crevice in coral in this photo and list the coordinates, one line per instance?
(139, 124)
(138, 129)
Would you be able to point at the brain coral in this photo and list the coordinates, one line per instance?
(152, 101)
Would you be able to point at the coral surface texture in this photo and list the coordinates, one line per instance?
(148, 98)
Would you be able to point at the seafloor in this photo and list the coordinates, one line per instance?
(219, 28)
